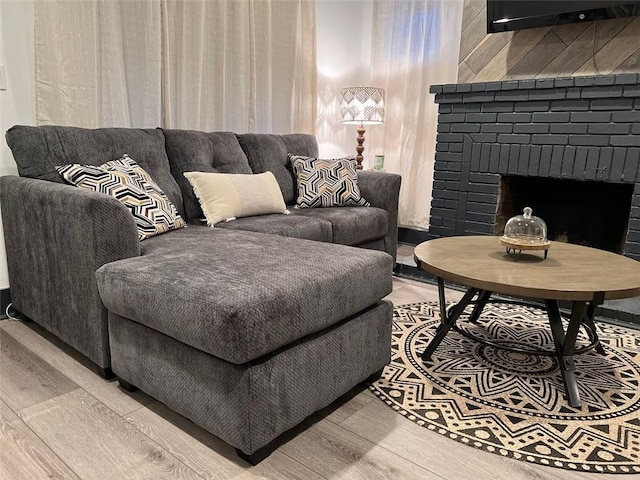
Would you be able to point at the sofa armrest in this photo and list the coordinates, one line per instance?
(56, 237)
(382, 190)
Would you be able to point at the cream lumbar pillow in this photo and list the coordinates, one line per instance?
(225, 196)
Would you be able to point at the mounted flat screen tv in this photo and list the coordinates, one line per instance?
(507, 15)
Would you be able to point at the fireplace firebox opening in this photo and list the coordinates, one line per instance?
(591, 213)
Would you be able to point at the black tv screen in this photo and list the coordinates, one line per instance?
(507, 15)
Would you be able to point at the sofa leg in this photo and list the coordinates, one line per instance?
(126, 385)
(104, 372)
(374, 376)
(260, 454)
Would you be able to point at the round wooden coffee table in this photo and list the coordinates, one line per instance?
(582, 275)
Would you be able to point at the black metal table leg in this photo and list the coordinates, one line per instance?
(483, 298)
(447, 321)
(588, 320)
(565, 345)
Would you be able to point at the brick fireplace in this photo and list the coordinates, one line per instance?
(576, 140)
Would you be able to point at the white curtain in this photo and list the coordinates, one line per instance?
(98, 63)
(244, 66)
(415, 44)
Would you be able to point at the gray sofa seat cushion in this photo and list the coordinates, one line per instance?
(193, 151)
(38, 150)
(269, 152)
(297, 226)
(350, 225)
(240, 295)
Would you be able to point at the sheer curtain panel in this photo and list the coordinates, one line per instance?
(98, 63)
(243, 66)
(415, 44)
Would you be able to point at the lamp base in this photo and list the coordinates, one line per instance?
(360, 146)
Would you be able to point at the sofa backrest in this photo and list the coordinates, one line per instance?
(194, 151)
(269, 152)
(38, 150)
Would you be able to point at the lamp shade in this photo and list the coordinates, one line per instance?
(362, 105)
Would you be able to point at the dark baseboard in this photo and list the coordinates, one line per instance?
(412, 236)
(5, 300)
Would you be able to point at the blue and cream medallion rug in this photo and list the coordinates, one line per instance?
(513, 404)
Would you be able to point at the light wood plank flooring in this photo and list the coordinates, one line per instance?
(59, 420)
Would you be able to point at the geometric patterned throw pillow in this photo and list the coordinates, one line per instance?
(127, 181)
(326, 182)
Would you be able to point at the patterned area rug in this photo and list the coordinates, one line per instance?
(513, 404)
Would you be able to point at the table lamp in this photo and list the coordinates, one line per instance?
(362, 106)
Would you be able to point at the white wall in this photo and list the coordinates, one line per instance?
(17, 102)
(344, 60)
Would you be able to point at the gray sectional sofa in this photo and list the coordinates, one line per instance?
(246, 328)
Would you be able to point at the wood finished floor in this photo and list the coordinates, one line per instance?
(59, 420)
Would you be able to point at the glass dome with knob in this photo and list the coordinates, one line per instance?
(525, 232)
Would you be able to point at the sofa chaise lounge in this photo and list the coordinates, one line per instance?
(246, 328)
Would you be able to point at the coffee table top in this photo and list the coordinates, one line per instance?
(571, 272)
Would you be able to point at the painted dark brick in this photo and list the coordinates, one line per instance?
(549, 139)
(570, 105)
(602, 92)
(443, 127)
(483, 188)
(563, 82)
(478, 97)
(592, 163)
(625, 78)
(452, 117)
(509, 85)
(445, 194)
(486, 178)
(591, 117)
(568, 128)
(530, 107)
(585, 81)
(451, 88)
(481, 217)
(601, 140)
(512, 96)
(436, 202)
(515, 117)
(503, 164)
(478, 87)
(481, 117)
(494, 158)
(526, 83)
(547, 95)
(436, 88)
(612, 104)
(514, 158)
(530, 128)
(485, 155)
(635, 128)
(451, 204)
(545, 83)
(465, 127)
(568, 158)
(493, 86)
(617, 164)
(449, 98)
(464, 87)
(481, 197)
(604, 164)
(506, 138)
(448, 157)
(545, 160)
(452, 185)
(482, 207)
(631, 91)
(496, 127)
(604, 80)
(484, 137)
(534, 159)
(555, 168)
(450, 137)
(631, 164)
(625, 140)
(580, 163)
(455, 147)
(466, 108)
(632, 116)
(609, 128)
(442, 147)
(446, 175)
(497, 107)
(573, 93)
(551, 117)
(448, 108)
(523, 161)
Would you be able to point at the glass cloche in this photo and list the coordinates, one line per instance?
(526, 228)
(525, 232)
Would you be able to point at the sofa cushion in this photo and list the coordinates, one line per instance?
(296, 226)
(225, 196)
(326, 182)
(269, 152)
(126, 181)
(39, 150)
(241, 295)
(350, 225)
(193, 151)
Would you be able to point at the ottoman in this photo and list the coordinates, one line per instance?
(248, 338)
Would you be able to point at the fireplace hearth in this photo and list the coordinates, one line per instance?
(567, 147)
